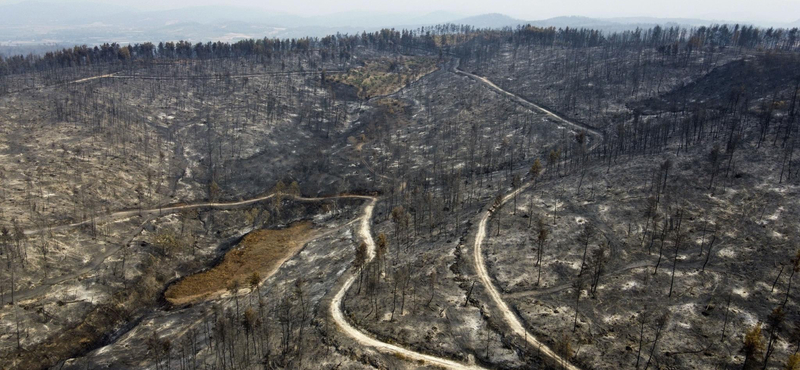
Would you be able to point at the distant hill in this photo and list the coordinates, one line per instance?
(653, 20)
(37, 25)
(201, 15)
(493, 20)
(573, 22)
(45, 13)
(602, 24)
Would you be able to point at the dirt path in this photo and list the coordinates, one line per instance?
(298, 245)
(365, 233)
(224, 76)
(213, 77)
(523, 102)
(336, 304)
(97, 260)
(513, 321)
(364, 339)
(148, 212)
(92, 78)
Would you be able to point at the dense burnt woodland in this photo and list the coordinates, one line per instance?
(642, 216)
(649, 89)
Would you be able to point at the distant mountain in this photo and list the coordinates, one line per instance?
(601, 24)
(201, 15)
(438, 17)
(38, 25)
(573, 22)
(653, 20)
(620, 24)
(217, 14)
(376, 20)
(44, 13)
(493, 20)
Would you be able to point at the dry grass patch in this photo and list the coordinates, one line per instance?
(384, 76)
(261, 251)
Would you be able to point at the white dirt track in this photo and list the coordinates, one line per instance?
(509, 316)
(364, 231)
(364, 339)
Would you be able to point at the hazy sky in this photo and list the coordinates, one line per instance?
(743, 10)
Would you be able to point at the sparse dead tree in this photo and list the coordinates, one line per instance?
(795, 268)
(516, 182)
(584, 238)
(400, 221)
(564, 348)
(677, 246)
(541, 237)
(597, 263)
(794, 335)
(382, 250)
(497, 206)
(650, 213)
(661, 323)
(715, 157)
(727, 311)
(359, 261)
(400, 277)
(249, 323)
(233, 289)
(774, 321)
(662, 237)
(641, 318)
(710, 249)
(577, 288)
(753, 347)
(535, 171)
(254, 281)
(432, 276)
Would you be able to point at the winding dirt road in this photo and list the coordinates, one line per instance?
(98, 259)
(364, 339)
(520, 100)
(149, 212)
(365, 233)
(513, 321)
(336, 304)
(204, 77)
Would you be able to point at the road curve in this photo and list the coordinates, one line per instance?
(98, 259)
(513, 321)
(336, 304)
(364, 339)
(365, 233)
(524, 102)
(116, 75)
(149, 212)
